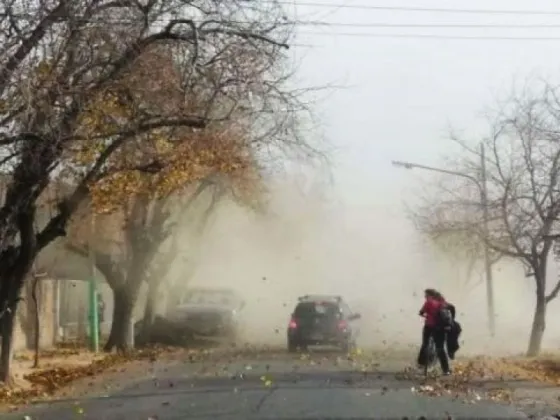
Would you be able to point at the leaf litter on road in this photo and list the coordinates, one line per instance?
(488, 378)
(464, 384)
(44, 383)
(47, 354)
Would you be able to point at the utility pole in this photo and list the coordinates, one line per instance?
(92, 289)
(482, 185)
(486, 233)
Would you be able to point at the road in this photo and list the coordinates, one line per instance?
(321, 385)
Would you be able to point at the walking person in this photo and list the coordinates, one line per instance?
(434, 310)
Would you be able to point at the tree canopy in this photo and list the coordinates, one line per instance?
(114, 99)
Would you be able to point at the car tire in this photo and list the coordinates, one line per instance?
(231, 336)
(348, 346)
(292, 347)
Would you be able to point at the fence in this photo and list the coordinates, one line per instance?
(73, 310)
(63, 312)
(25, 322)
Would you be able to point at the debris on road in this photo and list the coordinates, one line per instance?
(487, 378)
(466, 383)
(43, 383)
(47, 354)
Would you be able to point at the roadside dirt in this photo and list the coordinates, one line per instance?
(530, 384)
(74, 372)
(22, 365)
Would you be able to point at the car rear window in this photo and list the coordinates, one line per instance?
(314, 309)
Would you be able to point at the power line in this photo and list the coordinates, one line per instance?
(377, 24)
(310, 23)
(316, 23)
(371, 7)
(430, 36)
(163, 22)
(426, 25)
(416, 9)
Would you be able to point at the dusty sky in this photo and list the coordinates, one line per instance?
(399, 95)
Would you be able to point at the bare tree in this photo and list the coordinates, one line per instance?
(151, 244)
(71, 102)
(523, 165)
(145, 248)
(462, 259)
(173, 252)
(463, 250)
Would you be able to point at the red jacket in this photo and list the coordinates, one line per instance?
(430, 310)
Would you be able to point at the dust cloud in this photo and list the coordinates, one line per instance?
(368, 253)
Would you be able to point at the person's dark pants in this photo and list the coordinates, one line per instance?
(439, 340)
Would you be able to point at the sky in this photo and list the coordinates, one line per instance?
(399, 96)
(390, 98)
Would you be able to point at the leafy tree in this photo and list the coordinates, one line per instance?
(76, 108)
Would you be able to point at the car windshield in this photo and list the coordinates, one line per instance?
(315, 309)
(208, 297)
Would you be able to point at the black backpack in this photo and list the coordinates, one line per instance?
(445, 316)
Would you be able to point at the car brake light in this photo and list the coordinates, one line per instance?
(342, 325)
(293, 324)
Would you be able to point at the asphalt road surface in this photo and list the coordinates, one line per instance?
(266, 387)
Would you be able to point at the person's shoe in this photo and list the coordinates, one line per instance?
(447, 373)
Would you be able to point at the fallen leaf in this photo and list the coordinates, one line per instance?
(46, 381)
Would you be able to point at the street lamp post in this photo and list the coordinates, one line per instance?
(486, 233)
(482, 186)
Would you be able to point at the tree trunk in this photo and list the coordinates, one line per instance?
(12, 286)
(149, 311)
(37, 329)
(14, 274)
(539, 322)
(122, 316)
(125, 297)
(7, 328)
(10, 291)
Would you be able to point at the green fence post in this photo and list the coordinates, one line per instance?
(93, 316)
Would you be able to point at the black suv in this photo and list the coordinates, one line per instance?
(322, 320)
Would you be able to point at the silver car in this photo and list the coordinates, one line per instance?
(208, 312)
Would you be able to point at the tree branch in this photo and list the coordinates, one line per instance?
(144, 127)
(554, 293)
(28, 44)
(104, 263)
